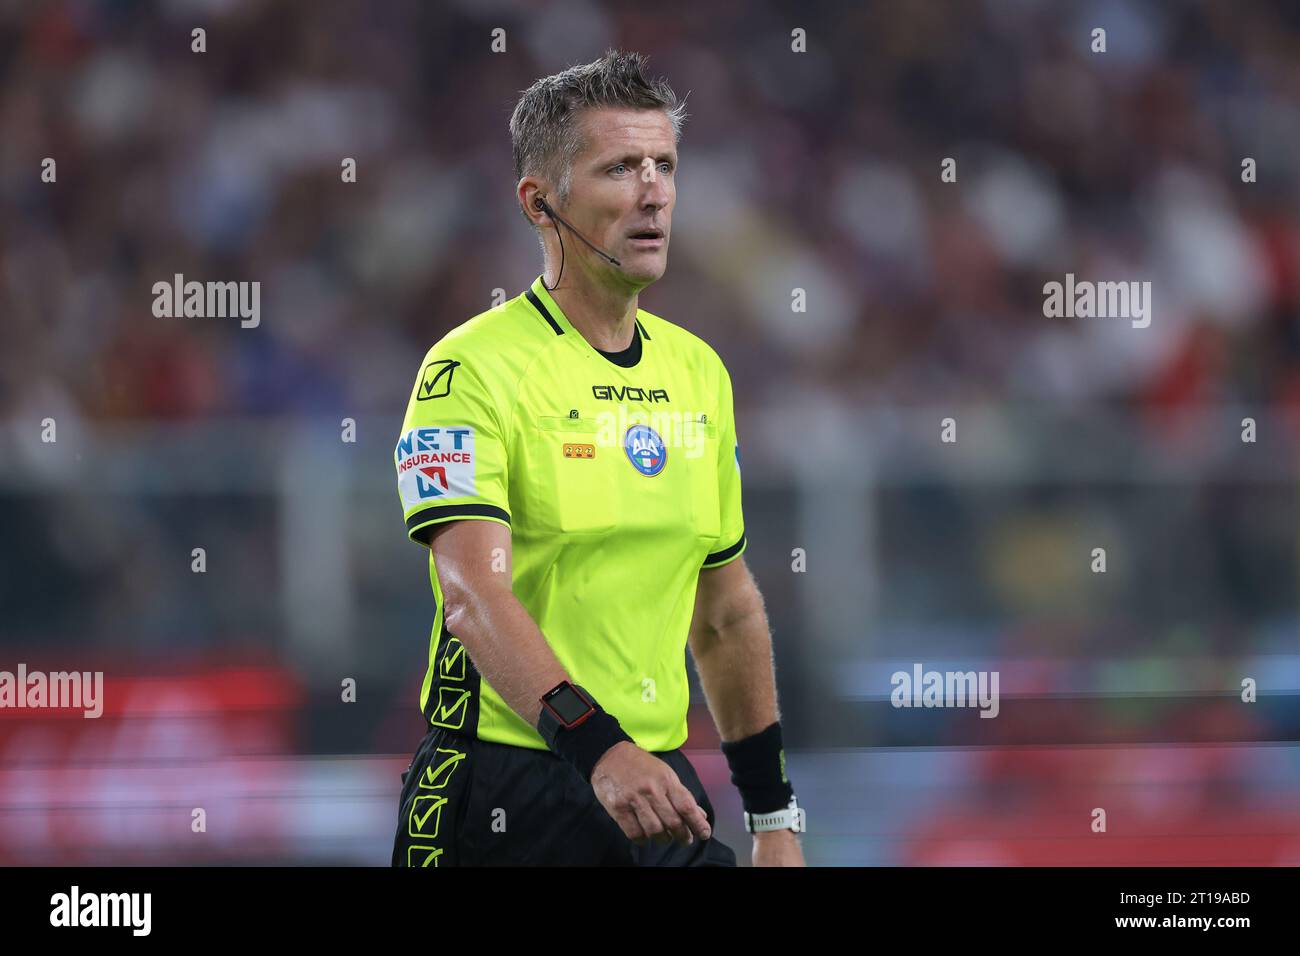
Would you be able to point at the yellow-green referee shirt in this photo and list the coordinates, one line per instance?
(619, 482)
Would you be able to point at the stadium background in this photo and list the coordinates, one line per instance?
(817, 171)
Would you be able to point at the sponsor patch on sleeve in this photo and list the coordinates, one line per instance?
(434, 464)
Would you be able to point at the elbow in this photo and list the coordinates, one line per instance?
(468, 605)
(702, 636)
(459, 607)
(455, 613)
(739, 622)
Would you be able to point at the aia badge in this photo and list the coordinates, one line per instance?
(645, 450)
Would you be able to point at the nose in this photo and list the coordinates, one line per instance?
(654, 195)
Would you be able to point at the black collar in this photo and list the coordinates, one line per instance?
(629, 356)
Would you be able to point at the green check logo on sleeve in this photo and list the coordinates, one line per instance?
(435, 381)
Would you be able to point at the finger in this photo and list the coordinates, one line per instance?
(672, 820)
(650, 823)
(631, 827)
(691, 813)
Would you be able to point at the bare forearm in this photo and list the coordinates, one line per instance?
(732, 646)
(507, 648)
(736, 670)
(473, 563)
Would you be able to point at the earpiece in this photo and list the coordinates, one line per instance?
(541, 204)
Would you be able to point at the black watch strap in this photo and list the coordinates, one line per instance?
(577, 733)
(564, 707)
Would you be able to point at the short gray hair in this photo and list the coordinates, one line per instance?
(543, 128)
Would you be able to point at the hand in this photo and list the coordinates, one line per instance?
(645, 797)
(777, 848)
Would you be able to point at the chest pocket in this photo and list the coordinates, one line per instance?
(700, 457)
(567, 482)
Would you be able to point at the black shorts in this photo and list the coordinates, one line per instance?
(469, 802)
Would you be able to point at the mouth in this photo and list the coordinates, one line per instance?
(646, 238)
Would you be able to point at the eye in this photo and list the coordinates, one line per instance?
(620, 166)
(666, 166)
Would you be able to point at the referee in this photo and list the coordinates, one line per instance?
(571, 463)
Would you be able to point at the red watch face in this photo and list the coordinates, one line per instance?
(567, 704)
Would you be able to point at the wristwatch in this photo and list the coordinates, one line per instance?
(793, 817)
(563, 708)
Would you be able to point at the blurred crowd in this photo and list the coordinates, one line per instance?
(816, 170)
(819, 171)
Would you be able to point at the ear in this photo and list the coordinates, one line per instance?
(532, 208)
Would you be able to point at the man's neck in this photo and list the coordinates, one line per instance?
(604, 316)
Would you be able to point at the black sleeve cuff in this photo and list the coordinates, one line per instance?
(726, 554)
(437, 514)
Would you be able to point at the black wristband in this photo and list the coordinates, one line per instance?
(584, 745)
(758, 770)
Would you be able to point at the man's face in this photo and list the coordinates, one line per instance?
(623, 184)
